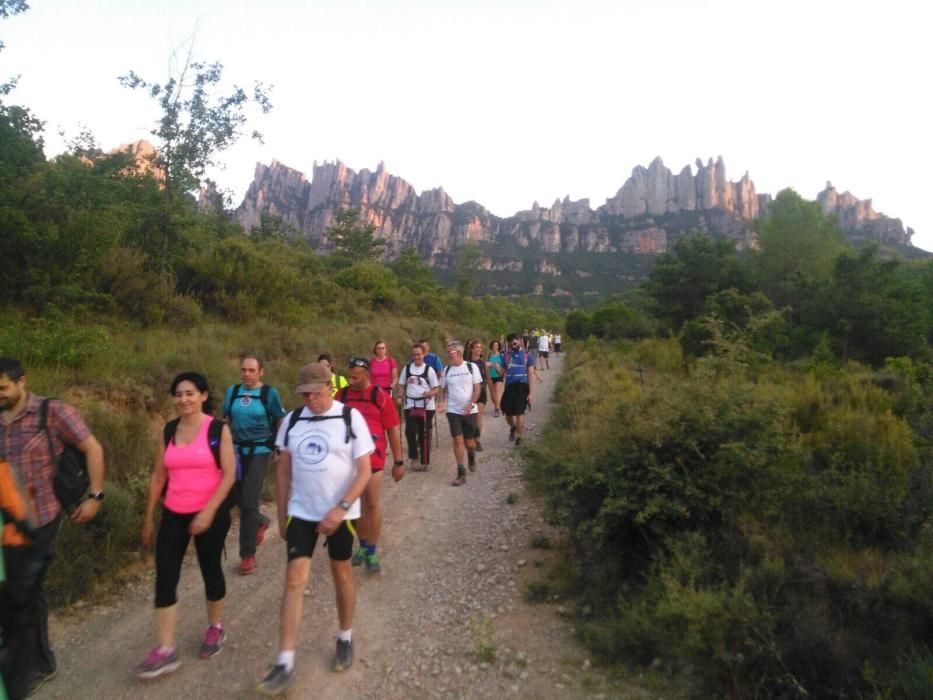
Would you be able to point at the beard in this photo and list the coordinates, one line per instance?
(8, 402)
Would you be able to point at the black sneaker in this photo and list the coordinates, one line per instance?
(344, 658)
(512, 434)
(471, 460)
(277, 681)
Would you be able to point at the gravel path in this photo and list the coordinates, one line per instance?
(445, 618)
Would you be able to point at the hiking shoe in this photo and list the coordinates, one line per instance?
(359, 556)
(479, 447)
(276, 681)
(459, 481)
(344, 656)
(512, 434)
(157, 663)
(471, 461)
(247, 565)
(213, 642)
(261, 530)
(518, 441)
(372, 563)
(496, 413)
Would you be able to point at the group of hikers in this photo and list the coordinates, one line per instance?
(329, 455)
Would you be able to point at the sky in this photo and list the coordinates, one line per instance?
(508, 102)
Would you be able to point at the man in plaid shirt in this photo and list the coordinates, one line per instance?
(28, 661)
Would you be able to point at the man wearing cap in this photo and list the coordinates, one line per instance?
(323, 469)
(382, 418)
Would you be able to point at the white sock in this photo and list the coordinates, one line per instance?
(286, 659)
(345, 635)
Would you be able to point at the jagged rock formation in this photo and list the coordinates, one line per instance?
(649, 212)
(860, 220)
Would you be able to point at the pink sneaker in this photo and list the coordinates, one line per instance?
(213, 642)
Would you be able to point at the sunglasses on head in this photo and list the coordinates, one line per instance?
(359, 362)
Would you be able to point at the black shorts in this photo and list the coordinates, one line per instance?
(497, 380)
(543, 353)
(556, 347)
(482, 395)
(514, 399)
(462, 425)
(301, 537)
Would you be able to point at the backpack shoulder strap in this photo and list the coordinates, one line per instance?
(214, 432)
(264, 400)
(348, 420)
(374, 396)
(342, 395)
(168, 431)
(293, 419)
(228, 404)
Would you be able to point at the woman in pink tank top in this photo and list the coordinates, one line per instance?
(194, 471)
(383, 370)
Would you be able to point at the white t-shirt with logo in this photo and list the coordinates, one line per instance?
(459, 381)
(323, 462)
(421, 381)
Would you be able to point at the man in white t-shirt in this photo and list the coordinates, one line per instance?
(544, 348)
(323, 469)
(461, 383)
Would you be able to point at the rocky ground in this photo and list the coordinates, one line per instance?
(445, 619)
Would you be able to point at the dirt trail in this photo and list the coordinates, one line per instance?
(445, 618)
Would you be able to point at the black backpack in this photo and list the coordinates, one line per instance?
(469, 365)
(296, 416)
(214, 432)
(71, 479)
(420, 378)
(264, 399)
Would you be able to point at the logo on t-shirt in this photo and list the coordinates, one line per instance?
(312, 448)
(245, 401)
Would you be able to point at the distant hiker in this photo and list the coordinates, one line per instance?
(337, 381)
(383, 369)
(430, 358)
(544, 348)
(419, 385)
(461, 384)
(34, 434)
(495, 367)
(193, 474)
(253, 410)
(323, 469)
(382, 418)
(520, 377)
(557, 343)
(476, 357)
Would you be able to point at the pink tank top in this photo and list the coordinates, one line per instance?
(193, 476)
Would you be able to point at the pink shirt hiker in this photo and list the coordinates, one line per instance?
(193, 476)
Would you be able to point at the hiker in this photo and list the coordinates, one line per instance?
(495, 366)
(461, 384)
(337, 381)
(323, 469)
(193, 474)
(381, 416)
(383, 369)
(432, 360)
(476, 357)
(544, 348)
(34, 434)
(520, 377)
(419, 385)
(557, 343)
(253, 410)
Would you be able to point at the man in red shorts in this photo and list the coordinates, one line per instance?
(382, 418)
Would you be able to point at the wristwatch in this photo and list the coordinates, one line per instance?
(99, 496)
(345, 504)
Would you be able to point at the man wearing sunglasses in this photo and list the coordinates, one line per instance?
(461, 383)
(382, 418)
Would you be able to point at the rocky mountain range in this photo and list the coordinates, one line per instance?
(650, 211)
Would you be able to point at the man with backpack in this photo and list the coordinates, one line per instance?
(323, 468)
(381, 416)
(253, 410)
(430, 359)
(35, 432)
(461, 383)
(520, 376)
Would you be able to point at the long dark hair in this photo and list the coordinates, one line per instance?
(200, 383)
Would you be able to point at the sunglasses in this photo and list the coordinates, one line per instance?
(359, 362)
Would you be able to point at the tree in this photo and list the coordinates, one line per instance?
(352, 239)
(195, 126)
(466, 266)
(412, 272)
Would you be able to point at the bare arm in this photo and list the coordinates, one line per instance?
(283, 486)
(94, 454)
(157, 482)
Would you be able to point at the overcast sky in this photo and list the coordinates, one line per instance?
(510, 101)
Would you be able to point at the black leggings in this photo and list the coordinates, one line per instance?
(418, 435)
(171, 544)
